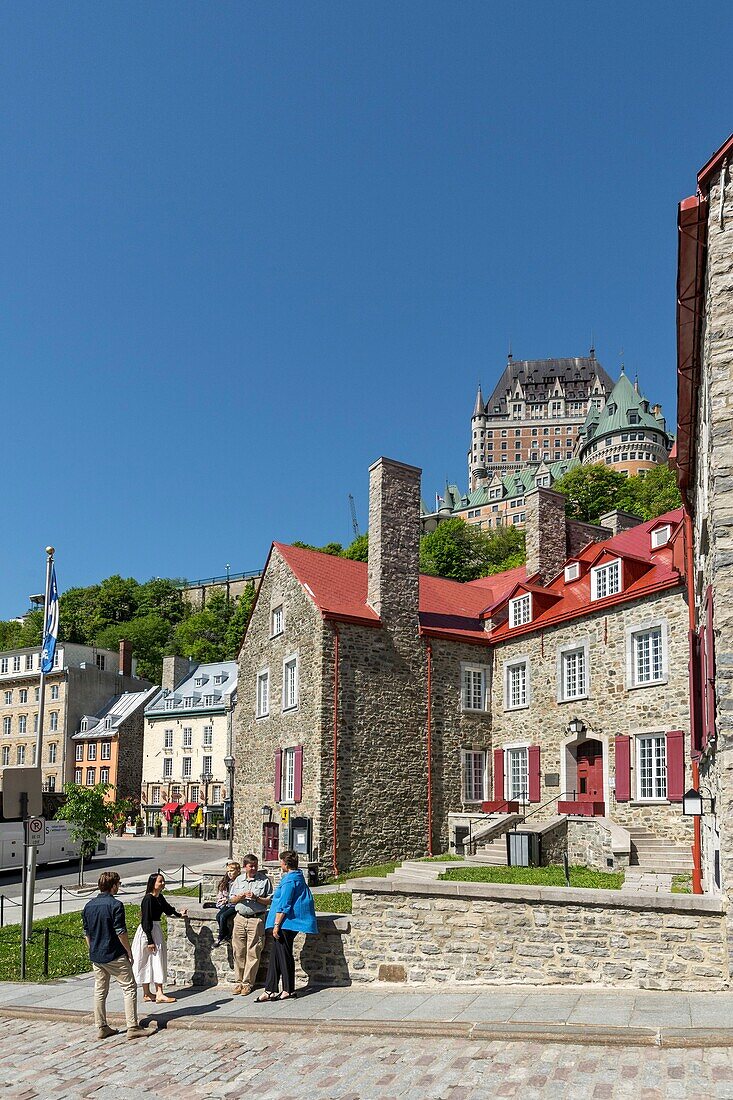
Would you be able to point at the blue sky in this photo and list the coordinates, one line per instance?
(248, 248)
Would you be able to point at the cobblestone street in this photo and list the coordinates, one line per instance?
(55, 1060)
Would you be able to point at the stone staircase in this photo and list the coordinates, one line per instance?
(492, 854)
(657, 855)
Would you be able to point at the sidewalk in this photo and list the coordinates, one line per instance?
(582, 1015)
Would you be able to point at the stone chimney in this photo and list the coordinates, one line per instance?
(175, 669)
(618, 521)
(125, 658)
(394, 543)
(546, 533)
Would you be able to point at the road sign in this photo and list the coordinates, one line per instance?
(35, 831)
(20, 784)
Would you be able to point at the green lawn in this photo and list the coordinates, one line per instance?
(378, 870)
(447, 857)
(537, 876)
(337, 902)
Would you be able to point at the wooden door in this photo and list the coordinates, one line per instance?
(590, 771)
(270, 842)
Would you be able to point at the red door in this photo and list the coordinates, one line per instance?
(270, 839)
(590, 771)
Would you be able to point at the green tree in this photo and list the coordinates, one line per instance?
(238, 621)
(78, 614)
(89, 816)
(590, 491)
(9, 634)
(358, 550)
(333, 548)
(202, 635)
(149, 635)
(506, 549)
(31, 631)
(652, 495)
(454, 550)
(162, 597)
(117, 600)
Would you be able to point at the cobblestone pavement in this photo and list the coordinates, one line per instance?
(50, 1061)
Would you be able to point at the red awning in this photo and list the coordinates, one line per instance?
(169, 809)
(189, 809)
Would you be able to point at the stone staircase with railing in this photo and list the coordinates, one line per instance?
(658, 855)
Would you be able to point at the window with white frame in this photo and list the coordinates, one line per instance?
(8, 698)
(79, 755)
(216, 795)
(193, 793)
(520, 610)
(277, 621)
(175, 794)
(290, 683)
(23, 695)
(155, 796)
(106, 752)
(167, 767)
(16, 664)
(91, 773)
(53, 720)
(516, 684)
(651, 766)
(108, 723)
(52, 750)
(187, 772)
(188, 700)
(51, 782)
(77, 775)
(517, 772)
(208, 736)
(210, 700)
(572, 571)
(170, 704)
(20, 754)
(187, 737)
(100, 661)
(606, 580)
(3, 665)
(573, 674)
(206, 767)
(200, 681)
(288, 776)
(35, 723)
(263, 694)
(104, 775)
(660, 536)
(92, 750)
(29, 662)
(6, 755)
(22, 723)
(7, 724)
(167, 739)
(474, 776)
(473, 687)
(647, 656)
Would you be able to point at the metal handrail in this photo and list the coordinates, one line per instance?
(556, 798)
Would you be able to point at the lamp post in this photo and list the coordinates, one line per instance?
(206, 778)
(229, 765)
(227, 567)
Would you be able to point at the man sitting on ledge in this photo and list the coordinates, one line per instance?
(250, 894)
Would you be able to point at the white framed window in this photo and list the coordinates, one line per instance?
(572, 572)
(200, 681)
(188, 700)
(288, 776)
(35, 723)
(208, 736)
(187, 737)
(194, 793)
(8, 698)
(53, 720)
(51, 782)
(104, 775)
(216, 795)
(167, 739)
(175, 794)
(77, 775)
(573, 673)
(106, 751)
(84, 725)
(20, 754)
(209, 700)
(170, 703)
(517, 773)
(3, 665)
(37, 694)
(16, 664)
(7, 725)
(660, 536)
(187, 772)
(108, 724)
(79, 753)
(520, 610)
(263, 693)
(56, 658)
(167, 767)
(22, 723)
(100, 661)
(29, 662)
(474, 775)
(155, 796)
(651, 767)
(52, 750)
(6, 755)
(277, 621)
(606, 580)
(646, 654)
(290, 683)
(92, 750)
(474, 681)
(91, 773)
(516, 683)
(23, 695)
(206, 768)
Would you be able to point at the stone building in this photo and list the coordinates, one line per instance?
(188, 737)
(627, 432)
(82, 681)
(108, 745)
(704, 462)
(375, 702)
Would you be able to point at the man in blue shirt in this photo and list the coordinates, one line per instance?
(103, 920)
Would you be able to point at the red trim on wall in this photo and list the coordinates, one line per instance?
(498, 775)
(533, 769)
(298, 776)
(623, 768)
(675, 765)
(278, 774)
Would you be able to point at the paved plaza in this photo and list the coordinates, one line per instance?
(54, 1060)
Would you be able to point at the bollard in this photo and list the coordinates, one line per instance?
(201, 892)
(183, 875)
(2, 910)
(61, 899)
(45, 952)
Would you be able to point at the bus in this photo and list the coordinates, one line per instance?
(58, 847)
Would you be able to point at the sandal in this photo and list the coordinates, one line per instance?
(287, 996)
(148, 997)
(237, 989)
(165, 1000)
(264, 997)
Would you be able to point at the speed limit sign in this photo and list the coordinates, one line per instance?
(35, 831)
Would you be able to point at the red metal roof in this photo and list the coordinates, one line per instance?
(703, 176)
(449, 609)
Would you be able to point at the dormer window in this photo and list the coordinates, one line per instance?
(108, 723)
(520, 610)
(572, 572)
(200, 681)
(660, 536)
(606, 580)
(220, 677)
(170, 703)
(188, 701)
(84, 725)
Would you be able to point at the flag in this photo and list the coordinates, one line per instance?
(51, 628)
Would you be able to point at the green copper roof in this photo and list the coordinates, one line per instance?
(623, 400)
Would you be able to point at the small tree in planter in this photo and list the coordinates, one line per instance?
(176, 823)
(139, 825)
(89, 816)
(158, 825)
(119, 813)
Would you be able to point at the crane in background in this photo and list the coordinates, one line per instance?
(354, 520)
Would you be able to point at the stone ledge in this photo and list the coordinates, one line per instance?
(549, 895)
(327, 922)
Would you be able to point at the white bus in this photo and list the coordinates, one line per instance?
(58, 847)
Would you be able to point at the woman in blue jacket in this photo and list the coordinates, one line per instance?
(292, 911)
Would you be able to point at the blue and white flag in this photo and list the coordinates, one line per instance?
(51, 631)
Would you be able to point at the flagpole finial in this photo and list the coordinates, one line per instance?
(50, 550)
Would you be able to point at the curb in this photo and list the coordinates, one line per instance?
(575, 1034)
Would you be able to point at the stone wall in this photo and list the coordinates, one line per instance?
(454, 932)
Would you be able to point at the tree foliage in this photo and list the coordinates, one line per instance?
(358, 550)
(593, 490)
(89, 816)
(462, 552)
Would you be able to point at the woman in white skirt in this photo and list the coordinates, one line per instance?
(149, 959)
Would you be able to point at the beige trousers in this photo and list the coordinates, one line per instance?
(248, 939)
(121, 971)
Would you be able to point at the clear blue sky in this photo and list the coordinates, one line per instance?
(248, 248)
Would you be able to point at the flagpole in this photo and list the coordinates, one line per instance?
(31, 876)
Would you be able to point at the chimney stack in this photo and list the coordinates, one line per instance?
(546, 533)
(125, 658)
(618, 521)
(175, 669)
(394, 543)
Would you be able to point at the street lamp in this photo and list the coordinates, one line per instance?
(692, 802)
(576, 726)
(206, 778)
(229, 765)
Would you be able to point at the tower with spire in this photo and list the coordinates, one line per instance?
(628, 434)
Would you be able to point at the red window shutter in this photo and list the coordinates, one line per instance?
(498, 774)
(278, 774)
(298, 780)
(675, 765)
(709, 683)
(695, 687)
(533, 768)
(623, 769)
